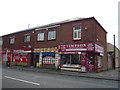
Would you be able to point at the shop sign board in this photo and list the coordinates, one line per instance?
(16, 51)
(69, 53)
(77, 47)
(98, 48)
(21, 51)
(49, 49)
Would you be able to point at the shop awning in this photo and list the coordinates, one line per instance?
(48, 53)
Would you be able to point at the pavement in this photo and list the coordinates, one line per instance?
(107, 75)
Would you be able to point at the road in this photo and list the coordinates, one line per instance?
(13, 78)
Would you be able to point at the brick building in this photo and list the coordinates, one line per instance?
(110, 51)
(78, 44)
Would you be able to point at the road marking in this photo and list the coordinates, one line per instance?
(22, 80)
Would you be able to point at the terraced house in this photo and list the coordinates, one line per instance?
(75, 44)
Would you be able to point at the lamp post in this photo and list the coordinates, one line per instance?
(114, 53)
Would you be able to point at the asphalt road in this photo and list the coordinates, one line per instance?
(13, 78)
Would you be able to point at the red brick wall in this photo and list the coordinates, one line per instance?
(87, 35)
(65, 34)
(19, 41)
(47, 43)
(102, 41)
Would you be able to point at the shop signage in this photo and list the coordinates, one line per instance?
(2, 51)
(50, 49)
(69, 53)
(21, 51)
(16, 51)
(77, 47)
(99, 48)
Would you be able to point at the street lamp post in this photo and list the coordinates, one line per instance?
(114, 53)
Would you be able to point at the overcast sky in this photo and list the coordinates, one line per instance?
(15, 15)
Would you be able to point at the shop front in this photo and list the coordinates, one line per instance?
(16, 57)
(83, 57)
(46, 57)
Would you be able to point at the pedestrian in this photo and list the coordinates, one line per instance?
(8, 63)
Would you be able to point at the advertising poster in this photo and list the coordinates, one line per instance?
(16, 58)
(9, 57)
(24, 58)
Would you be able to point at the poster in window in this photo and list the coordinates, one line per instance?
(24, 58)
(16, 58)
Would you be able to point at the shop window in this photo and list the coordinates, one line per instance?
(99, 62)
(27, 38)
(71, 59)
(12, 40)
(49, 58)
(76, 32)
(40, 36)
(51, 35)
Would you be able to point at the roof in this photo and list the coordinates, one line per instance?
(110, 47)
(58, 23)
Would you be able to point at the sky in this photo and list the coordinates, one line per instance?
(15, 15)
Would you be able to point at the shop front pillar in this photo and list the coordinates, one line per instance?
(83, 62)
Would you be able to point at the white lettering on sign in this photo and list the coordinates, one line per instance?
(99, 48)
(21, 51)
(18, 51)
(77, 47)
(83, 49)
(74, 46)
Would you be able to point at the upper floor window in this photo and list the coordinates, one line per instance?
(27, 38)
(76, 32)
(12, 40)
(51, 35)
(40, 36)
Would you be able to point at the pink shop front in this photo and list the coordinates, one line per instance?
(82, 57)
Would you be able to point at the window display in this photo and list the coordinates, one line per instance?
(71, 59)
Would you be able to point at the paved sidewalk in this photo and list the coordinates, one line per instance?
(108, 75)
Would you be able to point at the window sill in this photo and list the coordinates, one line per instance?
(41, 41)
(77, 39)
(51, 40)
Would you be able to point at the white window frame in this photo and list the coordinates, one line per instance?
(52, 35)
(78, 31)
(12, 40)
(27, 38)
(40, 36)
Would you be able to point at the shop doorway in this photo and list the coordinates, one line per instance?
(36, 60)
